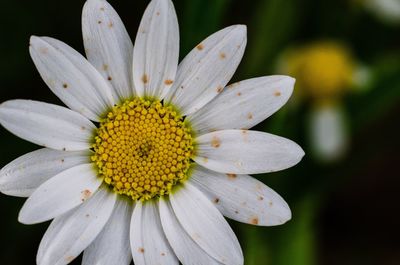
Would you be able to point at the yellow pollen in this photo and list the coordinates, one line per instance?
(143, 149)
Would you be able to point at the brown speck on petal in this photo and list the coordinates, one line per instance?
(168, 82)
(83, 128)
(145, 79)
(245, 135)
(87, 215)
(62, 160)
(111, 24)
(231, 85)
(219, 89)
(158, 13)
(86, 195)
(277, 93)
(231, 175)
(250, 116)
(215, 142)
(239, 94)
(65, 85)
(236, 212)
(271, 203)
(109, 78)
(99, 22)
(260, 198)
(43, 50)
(222, 55)
(64, 149)
(69, 259)
(102, 8)
(196, 236)
(216, 200)
(141, 250)
(105, 67)
(162, 254)
(200, 47)
(254, 221)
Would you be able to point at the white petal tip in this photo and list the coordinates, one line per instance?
(283, 215)
(24, 217)
(286, 215)
(33, 39)
(22, 220)
(94, 1)
(301, 153)
(242, 27)
(291, 81)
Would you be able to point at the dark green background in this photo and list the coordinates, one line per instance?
(343, 213)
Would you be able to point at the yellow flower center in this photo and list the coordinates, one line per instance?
(143, 149)
(323, 70)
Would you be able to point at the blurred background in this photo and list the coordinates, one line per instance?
(345, 55)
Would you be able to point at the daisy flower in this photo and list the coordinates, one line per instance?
(150, 154)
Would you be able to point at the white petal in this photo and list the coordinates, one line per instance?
(60, 194)
(108, 46)
(112, 244)
(148, 242)
(71, 77)
(246, 152)
(205, 225)
(242, 197)
(69, 234)
(156, 52)
(47, 125)
(328, 132)
(185, 248)
(244, 104)
(207, 69)
(25, 174)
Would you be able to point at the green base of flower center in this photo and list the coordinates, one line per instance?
(143, 149)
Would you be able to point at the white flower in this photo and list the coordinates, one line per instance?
(171, 152)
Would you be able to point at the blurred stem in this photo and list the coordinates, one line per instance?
(297, 245)
(273, 25)
(278, 122)
(257, 249)
(292, 243)
(200, 19)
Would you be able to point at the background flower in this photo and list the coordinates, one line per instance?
(344, 212)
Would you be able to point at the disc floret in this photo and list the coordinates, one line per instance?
(143, 149)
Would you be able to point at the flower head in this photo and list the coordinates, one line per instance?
(324, 70)
(150, 155)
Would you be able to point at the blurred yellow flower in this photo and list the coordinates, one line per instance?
(324, 70)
